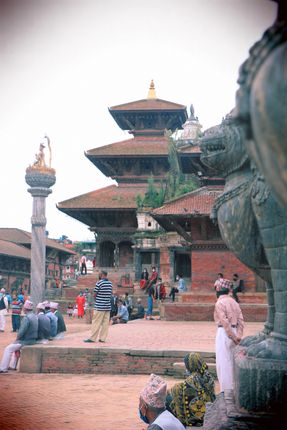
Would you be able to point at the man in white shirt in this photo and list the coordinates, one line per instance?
(152, 406)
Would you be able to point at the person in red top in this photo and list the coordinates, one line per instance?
(80, 300)
(153, 277)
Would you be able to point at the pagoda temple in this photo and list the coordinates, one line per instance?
(127, 238)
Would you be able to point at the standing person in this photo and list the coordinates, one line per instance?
(144, 278)
(150, 298)
(4, 309)
(44, 325)
(89, 306)
(229, 320)
(27, 335)
(122, 316)
(16, 309)
(101, 318)
(83, 262)
(70, 308)
(80, 300)
(152, 409)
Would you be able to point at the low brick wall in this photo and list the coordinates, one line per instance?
(42, 359)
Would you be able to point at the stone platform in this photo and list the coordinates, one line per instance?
(139, 347)
(192, 306)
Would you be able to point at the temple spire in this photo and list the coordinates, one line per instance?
(151, 92)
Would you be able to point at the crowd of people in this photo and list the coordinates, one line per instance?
(45, 325)
(184, 404)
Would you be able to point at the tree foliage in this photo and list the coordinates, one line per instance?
(174, 185)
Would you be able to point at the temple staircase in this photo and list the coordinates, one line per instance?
(196, 306)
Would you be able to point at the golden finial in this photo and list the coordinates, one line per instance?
(151, 92)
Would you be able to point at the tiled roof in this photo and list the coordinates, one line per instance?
(18, 236)
(198, 202)
(148, 104)
(14, 250)
(122, 196)
(139, 145)
(190, 149)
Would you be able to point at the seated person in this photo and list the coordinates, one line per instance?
(186, 400)
(139, 311)
(144, 279)
(122, 316)
(27, 335)
(44, 325)
(152, 406)
(237, 286)
(61, 326)
(181, 284)
(53, 319)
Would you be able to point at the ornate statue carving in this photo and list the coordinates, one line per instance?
(254, 226)
(261, 104)
(39, 162)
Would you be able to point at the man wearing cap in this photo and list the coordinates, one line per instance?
(4, 308)
(52, 317)
(229, 320)
(44, 325)
(152, 406)
(61, 326)
(27, 335)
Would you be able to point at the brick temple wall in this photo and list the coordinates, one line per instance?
(206, 264)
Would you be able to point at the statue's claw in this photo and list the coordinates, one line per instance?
(269, 348)
(251, 340)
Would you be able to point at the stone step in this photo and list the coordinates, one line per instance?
(53, 358)
(193, 297)
(204, 312)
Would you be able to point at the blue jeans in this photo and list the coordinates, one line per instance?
(149, 305)
(16, 322)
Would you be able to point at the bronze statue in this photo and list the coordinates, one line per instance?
(261, 105)
(254, 226)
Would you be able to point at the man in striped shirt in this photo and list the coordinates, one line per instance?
(101, 318)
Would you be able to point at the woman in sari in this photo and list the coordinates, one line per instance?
(187, 400)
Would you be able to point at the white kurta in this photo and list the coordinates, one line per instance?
(167, 421)
(224, 347)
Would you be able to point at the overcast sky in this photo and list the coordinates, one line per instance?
(64, 62)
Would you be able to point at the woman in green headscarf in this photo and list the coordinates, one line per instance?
(186, 400)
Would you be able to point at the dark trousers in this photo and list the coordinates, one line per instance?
(16, 319)
(83, 269)
(172, 293)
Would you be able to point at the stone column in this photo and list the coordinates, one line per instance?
(40, 180)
